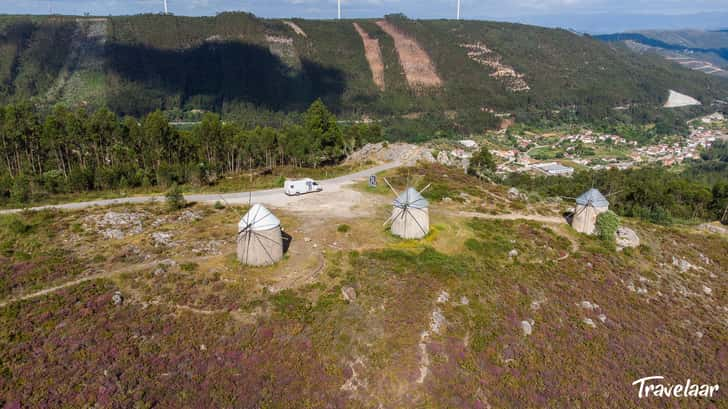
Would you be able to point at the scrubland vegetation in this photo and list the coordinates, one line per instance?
(204, 331)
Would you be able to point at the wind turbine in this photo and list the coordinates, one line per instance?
(458, 10)
(166, 11)
(339, 3)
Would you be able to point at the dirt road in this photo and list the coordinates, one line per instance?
(270, 197)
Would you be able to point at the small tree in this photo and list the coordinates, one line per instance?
(482, 164)
(21, 189)
(607, 225)
(175, 198)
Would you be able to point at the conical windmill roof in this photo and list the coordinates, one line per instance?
(592, 197)
(411, 198)
(258, 218)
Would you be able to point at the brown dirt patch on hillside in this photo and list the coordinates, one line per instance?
(417, 65)
(374, 56)
(296, 28)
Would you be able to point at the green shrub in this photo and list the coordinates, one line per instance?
(17, 226)
(175, 198)
(21, 190)
(607, 224)
(343, 228)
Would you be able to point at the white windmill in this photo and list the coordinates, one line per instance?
(166, 10)
(588, 207)
(339, 3)
(410, 217)
(458, 10)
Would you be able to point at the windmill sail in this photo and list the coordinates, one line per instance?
(592, 197)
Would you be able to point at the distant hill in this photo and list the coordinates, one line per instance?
(237, 63)
(705, 51)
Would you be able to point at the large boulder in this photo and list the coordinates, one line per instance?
(626, 237)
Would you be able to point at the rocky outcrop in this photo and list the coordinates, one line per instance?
(483, 55)
(115, 225)
(408, 154)
(626, 238)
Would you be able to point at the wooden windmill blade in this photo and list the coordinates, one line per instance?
(614, 193)
(272, 260)
(390, 186)
(232, 207)
(247, 246)
(393, 217)
(419, 225)
(583, 209)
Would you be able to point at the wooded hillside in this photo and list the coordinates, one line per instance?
(238, 64)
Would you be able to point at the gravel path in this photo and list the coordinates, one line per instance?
(270, 197)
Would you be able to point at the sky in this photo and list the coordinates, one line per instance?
(581, 15)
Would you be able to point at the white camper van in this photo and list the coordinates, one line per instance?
(301, 187)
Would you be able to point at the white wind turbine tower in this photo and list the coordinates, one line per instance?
(458, 10)
(339, 9)
(166, 11)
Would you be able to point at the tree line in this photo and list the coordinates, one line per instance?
(75, 150)
(653, 193)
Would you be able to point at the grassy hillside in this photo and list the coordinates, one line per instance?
(236, 63)
(436, 323)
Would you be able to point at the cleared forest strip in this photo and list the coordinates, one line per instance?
(417, 65)
(373, 54)
(295, 27)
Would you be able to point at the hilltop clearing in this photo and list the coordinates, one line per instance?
(353, 317)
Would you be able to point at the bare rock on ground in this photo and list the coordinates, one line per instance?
(589, 322)
(626, 238)
(408, 154)
(115, 225)
(162, 239)
(349, 294)
(117, 298)
(527, 327)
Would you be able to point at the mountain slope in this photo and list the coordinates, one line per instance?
(236, 62)
(705, 51)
